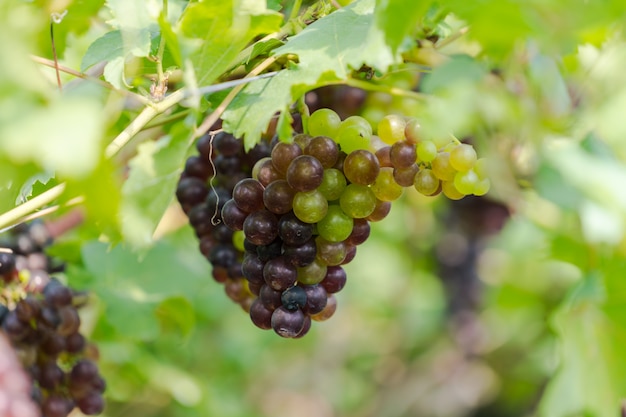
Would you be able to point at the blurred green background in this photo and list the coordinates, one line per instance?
(506, 306)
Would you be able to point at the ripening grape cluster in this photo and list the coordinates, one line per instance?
(291, 214)
(39, 317)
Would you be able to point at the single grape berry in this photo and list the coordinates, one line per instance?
(294, 298)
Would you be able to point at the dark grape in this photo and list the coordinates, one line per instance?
(197, 167)
(305, 328)
(279, 273)
(384, 157)
(360, 232)
(233, 216)
(405, 176)
(403, 154)
(57, 294)
(301, 255)
(227, 165)
(226, 144)
(293, 231)
(267, 252)
(270, 297)
(283, 154)
(260, 315)
(381, 210)
(223, 255)
(265, 172)
(287, 323)
(191, 191)
(316, 298)
(261, 227)
(252, 268)
(91, 403)
(350, 254)
(248, 195)
(278, 197)
(335, 279)
(293, 298)
(305, 173)
(324, 149)
(7, 264)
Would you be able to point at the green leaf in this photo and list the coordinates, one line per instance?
(264, 48)
(105, 48)
(176, 313)
(150, 186)
(399, 18)
(590, 379)
(327, 49)
(223, 30)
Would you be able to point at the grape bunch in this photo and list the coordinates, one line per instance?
(206, 184)
(38, 315)
(278, 223)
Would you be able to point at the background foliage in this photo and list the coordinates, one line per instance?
(539, 86)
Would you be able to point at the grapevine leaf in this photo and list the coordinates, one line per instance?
(222, 32)
(399, 18)
(105, 48)
(589, 337)
(176, 313)
(327, 49)
(151, 183)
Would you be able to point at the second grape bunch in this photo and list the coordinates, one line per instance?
(308, 206)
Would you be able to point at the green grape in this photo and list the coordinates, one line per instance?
(238, 238)
(336, 225)
(312, 274)
(450, 191)
(385, 188)
(442, 168)
(426, 182)
(482, 187)
(324, 122)
(353, 137)
(391, 129)
(330, 253)
(426, 151)
(463, 157)
(333, 183)
(357, 201)
(358, 121)
(480, 168)
(465, 182)
(310, 207)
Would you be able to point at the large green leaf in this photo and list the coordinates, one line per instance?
(328, 50)
(591, 376)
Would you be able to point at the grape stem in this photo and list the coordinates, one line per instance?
(161, 81)
(13, 216)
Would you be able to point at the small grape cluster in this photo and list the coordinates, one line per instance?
(39, 316)
(206, 184)
(431, 166)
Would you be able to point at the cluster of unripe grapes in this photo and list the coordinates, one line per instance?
(300, 208)
(38, 315)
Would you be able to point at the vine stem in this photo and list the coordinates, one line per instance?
(161, 51)
(295, 10)
(395, 91)
(24, 209)
(456, 35)
(214, 116)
